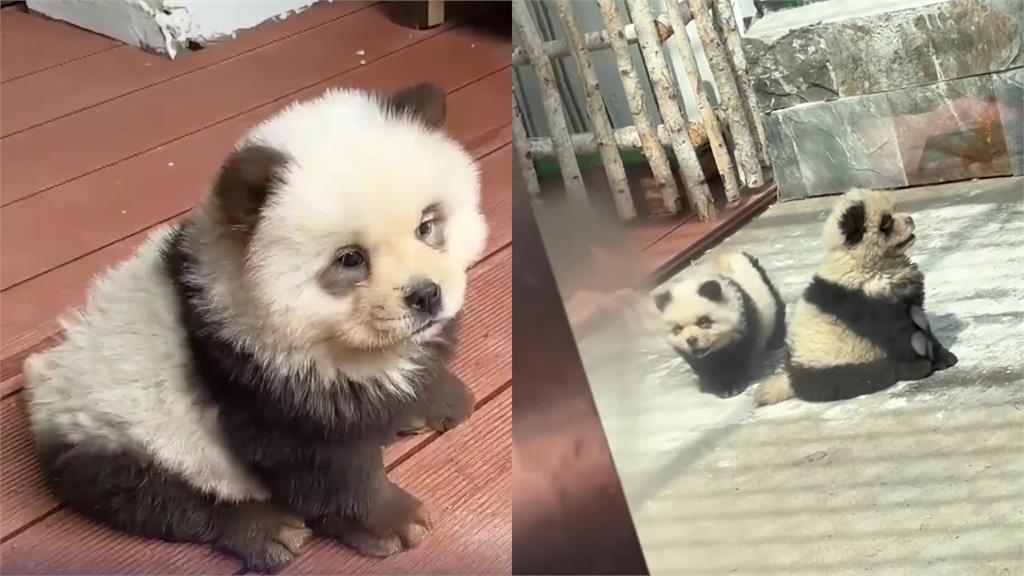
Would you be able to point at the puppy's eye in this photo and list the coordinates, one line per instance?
(704, 322)
(425, 229)
(352, 259)
(677, 329)
(431, 228)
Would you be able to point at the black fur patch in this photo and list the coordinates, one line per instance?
(778, 338)
(316, 446)
(840, 382)
(852, 224)
(885, 323)
(885, 225)
(247, 179)
(729, 370)
(425, 102)
(662, 300)
(711, 290)
(112, 487)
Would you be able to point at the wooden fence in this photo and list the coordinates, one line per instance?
(719, 37)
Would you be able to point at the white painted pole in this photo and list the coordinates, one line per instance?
(552, 102)
(594, 41)
(520, 142)
(746, 149)
(719, 149)
(655, 154)
(627, 138)
(610, 158)
(694, 181)
(726, 21)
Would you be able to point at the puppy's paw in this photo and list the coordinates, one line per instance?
(922, 345)
(919, 318)
(398, 525)
(264, 536)
(452, 403)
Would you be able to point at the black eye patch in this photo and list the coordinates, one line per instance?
(711, 290)
(851, 224)
(350, 266)
(661, 300)
(885, 225)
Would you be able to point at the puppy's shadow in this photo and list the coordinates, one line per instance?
(947, 328)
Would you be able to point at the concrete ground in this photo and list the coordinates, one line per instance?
(923, 479)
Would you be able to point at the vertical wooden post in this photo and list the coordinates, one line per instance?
(635, 99)
(726, 21)
(609, 151)
(694, 181)
(519, 142)
(719, 149)
(552, 102)
(746, 151)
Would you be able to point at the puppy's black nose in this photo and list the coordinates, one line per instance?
(692, 341)
(909, 221)
(424, 298)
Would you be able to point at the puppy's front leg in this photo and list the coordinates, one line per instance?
(447, 402)
(370, 513)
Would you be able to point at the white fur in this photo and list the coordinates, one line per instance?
(121, 380)
(816, 338)
(356, 175)
(681, 314)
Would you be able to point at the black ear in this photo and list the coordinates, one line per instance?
(711, 290)
(662, 299)
(247, 179)
(425, 102)
(852, 224)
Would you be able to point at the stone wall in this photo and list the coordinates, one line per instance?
(863, 94)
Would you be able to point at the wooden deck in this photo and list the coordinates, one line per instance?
(101, 142)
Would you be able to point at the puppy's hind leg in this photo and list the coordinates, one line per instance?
(127, 493)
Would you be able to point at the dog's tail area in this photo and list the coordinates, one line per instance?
(774, 390)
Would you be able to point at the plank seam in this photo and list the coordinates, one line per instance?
(81, 57)
(136, 231)
(139, 89)
(234, 115)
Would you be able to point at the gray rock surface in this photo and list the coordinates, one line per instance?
(954, 130)
(832, 49)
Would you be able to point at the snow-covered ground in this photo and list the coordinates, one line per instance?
(923, 478)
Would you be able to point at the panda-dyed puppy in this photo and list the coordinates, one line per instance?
(860, 325)
(234, 382)
(723, 321)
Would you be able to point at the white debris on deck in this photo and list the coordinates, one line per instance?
(924, 478)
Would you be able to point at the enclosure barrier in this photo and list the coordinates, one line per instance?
(719, 38)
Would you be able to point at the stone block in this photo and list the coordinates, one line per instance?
(954, 130)
(1009, 91)
(836, 48)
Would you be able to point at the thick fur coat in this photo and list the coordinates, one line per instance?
(234, 382)
(858, 327)
(723, 321)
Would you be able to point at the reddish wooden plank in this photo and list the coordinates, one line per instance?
(115, 130)
(113, 203)
(23, 493)
(484, 361)
(30, 309)
(464, 478)
(66, 543)
(693, 237)
(62, 90)
(29, 43)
